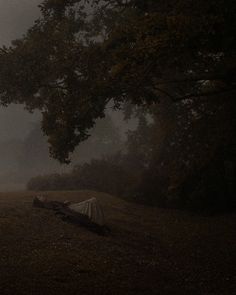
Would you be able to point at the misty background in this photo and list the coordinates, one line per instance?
(23, 148)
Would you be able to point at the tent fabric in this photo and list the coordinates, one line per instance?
(91, 209)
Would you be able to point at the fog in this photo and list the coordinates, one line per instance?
(15, 17)
(15, 123)
(156, 177)
(23, 149)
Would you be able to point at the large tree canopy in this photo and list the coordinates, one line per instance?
(82, 54)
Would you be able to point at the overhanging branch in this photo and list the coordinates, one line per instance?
(204, 94)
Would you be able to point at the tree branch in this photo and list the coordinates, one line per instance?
(194, 79)
(204, 94)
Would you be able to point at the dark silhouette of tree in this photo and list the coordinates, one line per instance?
(70, 65)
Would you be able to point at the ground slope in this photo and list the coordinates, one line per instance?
(149, 250)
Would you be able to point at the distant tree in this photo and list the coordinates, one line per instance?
(33, 156)
(82, 54)
(104, 140)
(183, 156)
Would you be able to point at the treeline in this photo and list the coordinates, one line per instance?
(99, 174)
(177, 157)
(172, 62)
(28, 157)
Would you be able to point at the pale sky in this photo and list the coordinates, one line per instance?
(15, 17)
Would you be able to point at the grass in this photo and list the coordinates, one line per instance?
(149, 250)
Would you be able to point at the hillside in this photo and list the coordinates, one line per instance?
(149, 250)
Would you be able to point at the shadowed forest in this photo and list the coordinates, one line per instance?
(131, 102)
(166, 68)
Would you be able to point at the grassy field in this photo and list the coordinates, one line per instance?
(149, 250)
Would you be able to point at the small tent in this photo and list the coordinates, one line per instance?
(91, 209)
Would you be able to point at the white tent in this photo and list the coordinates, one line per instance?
(91, 209)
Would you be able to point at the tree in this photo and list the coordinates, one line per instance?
(82, 54)
(183, 155)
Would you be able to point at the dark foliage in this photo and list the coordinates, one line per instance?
(143, 53)
(174, 158)
(70, 65)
